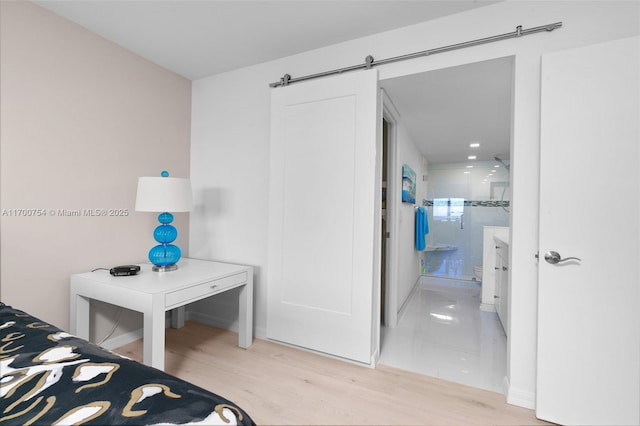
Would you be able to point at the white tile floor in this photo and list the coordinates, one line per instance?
(443, 333)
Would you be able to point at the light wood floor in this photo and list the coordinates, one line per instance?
(278, 385)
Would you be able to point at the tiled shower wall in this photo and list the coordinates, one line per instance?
(462, 200)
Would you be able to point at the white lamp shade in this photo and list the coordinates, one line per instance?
(164, 194)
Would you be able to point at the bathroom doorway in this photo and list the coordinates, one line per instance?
(459, 119)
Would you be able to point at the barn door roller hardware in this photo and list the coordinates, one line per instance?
(369, 62)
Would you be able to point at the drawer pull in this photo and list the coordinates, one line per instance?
(214, 286)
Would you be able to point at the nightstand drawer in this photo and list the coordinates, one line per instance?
(200, 291)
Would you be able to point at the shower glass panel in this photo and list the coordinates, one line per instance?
(447, 253)
(461, 200)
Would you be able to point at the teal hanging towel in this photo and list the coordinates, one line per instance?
(422, 227)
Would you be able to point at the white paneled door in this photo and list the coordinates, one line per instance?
(589, 309)
(322, 216)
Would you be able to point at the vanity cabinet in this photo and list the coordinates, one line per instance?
(501, 297)
(489, 236)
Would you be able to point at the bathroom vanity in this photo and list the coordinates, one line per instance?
(495, 274)
(501, 290)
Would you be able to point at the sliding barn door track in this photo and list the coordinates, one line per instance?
(370, 62)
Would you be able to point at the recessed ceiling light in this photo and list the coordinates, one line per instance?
(472, 157)
(467, 173)
(474, 145)
(469, 167)
(497, 165)
(493, 171)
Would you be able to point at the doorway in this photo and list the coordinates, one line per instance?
(444, 114)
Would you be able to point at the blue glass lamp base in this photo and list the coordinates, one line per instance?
(165, 255)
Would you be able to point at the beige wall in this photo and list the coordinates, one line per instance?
(81, 119)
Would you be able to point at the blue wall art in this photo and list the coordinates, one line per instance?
(408, 185)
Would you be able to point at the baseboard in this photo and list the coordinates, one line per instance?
(375, 358)
(405, 303)
(487, 307)
(212, 320)
(224, 323)
(260, 333)
(505, 386)
(123, 339)
(131, 336)
(519, 397)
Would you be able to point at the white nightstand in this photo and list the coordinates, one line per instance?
(154, 293)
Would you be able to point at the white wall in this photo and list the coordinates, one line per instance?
(230, 140)
(80, 120)
(408, 257)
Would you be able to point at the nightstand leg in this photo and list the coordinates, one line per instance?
(79, 324)
(245, 316)
(153, 340)
(177, 317)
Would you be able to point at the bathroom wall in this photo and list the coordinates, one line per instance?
(408, 256)
(484, 186)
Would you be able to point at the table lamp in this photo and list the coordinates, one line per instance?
(164, 194)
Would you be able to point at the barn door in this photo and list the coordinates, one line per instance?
(322, 217)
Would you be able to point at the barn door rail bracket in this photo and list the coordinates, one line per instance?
(370, 62)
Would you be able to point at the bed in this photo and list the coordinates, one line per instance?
(50, 377)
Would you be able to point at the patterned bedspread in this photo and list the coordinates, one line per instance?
(51, 377)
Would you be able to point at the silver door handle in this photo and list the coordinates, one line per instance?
(554, 257)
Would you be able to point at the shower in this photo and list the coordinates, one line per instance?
(499, 160)
(508, 168)
(480, 195)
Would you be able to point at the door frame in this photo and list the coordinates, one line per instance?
(391, 116)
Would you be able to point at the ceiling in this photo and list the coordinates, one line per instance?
(197, 38)
(448, 109)
(444, 110)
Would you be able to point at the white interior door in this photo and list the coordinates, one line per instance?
(322, 215)
(589, 309)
